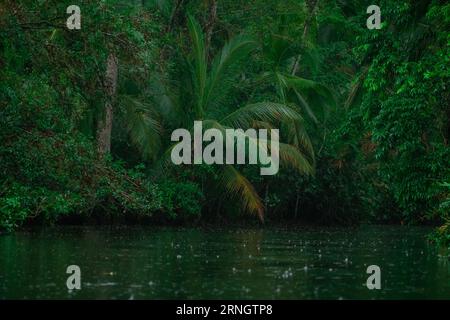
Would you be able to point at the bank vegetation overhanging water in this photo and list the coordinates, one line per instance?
(86, 115)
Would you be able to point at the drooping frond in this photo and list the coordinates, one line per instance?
(311, 88)
(142, 126)
(306, 105)
(258, 124)
(289, 155)
(166, 99)
(264, 111)
(281, 86)
(292, 157)
(307, 93)
(165, 159)
(238, 185)
(299, 138)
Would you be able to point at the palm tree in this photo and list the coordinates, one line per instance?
(202, 95)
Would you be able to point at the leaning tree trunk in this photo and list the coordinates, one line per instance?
(105, 123)
(311, 6)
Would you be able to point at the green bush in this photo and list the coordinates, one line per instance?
(442, 234)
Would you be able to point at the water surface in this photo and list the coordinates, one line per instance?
(269, 263)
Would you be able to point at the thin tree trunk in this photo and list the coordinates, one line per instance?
(211, 21)
(311, 5)
(105, 123)
(447, 135)
(266, 198)
(296, 205)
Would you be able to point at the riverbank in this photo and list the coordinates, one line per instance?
(437, 234)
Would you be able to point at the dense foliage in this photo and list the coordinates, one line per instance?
(363, 114)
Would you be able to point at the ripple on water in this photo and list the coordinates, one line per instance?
(224, 264)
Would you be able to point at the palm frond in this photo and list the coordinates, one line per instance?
(310, 86)
(165, 161)
(264, 111)
(166, 99)
(199, 62)
(224, 68)
(299, 138)
(292, 157)
(238, 185)
(310, 94)
(142, 126)
(306, 105)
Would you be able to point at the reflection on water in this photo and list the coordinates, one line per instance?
(167, 263)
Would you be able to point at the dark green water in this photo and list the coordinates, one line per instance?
(167, 263)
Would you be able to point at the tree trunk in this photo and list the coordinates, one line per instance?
(297, 199)
(105, 122)
(311, 6)
(211, 22)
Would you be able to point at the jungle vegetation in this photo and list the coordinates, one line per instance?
(86, 115)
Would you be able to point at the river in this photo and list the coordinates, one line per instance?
(193, 263)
